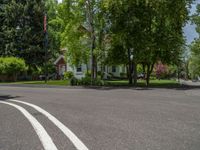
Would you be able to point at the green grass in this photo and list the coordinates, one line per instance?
(50, 82)
(142, 83)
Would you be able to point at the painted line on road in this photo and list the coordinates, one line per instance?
(44, 137)
(72, 137)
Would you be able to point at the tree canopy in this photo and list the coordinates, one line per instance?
(22, 30)
(96, 33)
(194, 64)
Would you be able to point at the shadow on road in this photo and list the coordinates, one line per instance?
(6, 97)
(142, 88)
(109, 87)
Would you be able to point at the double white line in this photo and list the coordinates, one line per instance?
(44, 137)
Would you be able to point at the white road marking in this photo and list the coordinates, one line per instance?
(73, 138)
(39, 129)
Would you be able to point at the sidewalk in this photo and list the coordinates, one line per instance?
(189, 83)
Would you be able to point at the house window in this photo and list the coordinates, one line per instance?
(113, 68)
(79, 69)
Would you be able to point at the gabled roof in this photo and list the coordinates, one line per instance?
(59, 58)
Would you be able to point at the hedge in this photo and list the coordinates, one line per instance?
(10, 67)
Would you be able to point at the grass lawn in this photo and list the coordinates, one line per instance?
(141, 83)
(50, 82)
(153, 83)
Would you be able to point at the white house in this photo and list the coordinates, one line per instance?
(79, 72)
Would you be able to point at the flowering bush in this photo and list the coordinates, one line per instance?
(161, 70)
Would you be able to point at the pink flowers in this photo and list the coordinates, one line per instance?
(160, 69)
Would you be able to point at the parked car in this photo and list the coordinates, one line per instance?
(141, 76)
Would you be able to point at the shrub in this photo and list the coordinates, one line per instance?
(68, 75)
(11, 66)
(123, 75)
(100, 74)
(88, 74)
(73, 81)
(88, 81)
(161, 70)
(98, 82)
(85, 81)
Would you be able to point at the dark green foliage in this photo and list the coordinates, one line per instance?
(11, 66)
(150, 31)
(54, 28)
(89, 81)
(85, 81)
(22, 30)
(73, 81)
(68, 75)
(194, 64)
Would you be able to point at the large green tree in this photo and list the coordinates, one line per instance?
(84, 32)
(22, 29)
(146, 31)
(194, 65)
(54, 29)
(74, 33)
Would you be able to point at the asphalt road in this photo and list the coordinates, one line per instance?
(103, 119)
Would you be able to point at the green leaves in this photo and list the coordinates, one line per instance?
(11, 65)
(194, 65)
(22, 30)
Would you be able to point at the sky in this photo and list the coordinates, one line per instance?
(189, 29)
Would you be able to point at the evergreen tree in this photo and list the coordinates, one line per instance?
(22, 30)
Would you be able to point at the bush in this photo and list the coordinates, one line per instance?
(98, 82)
(68, 75)
(100, 74)
(87, 81)
(88, 74)
(73, 81)
(11, 66)
(123, 75)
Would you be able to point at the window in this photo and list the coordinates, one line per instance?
(113, 68)
(79, 69)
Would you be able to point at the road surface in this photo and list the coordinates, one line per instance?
(99, 119)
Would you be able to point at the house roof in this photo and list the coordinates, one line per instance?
(59, 58)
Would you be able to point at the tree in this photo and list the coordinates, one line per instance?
(23, 30)
(123, 20)
(2, 18)
(54, 28)
(83, 33)
(194, 64)
(74, 33)
(148, 31)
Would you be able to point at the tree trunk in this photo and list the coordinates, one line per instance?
(143, 68)
(95, 68)
(127, 71)
(149, 71)
(87, 68)
(93, 75)
(178, 73)
(135, 74)
(130, 68)
(90, 18)
(148, 75)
